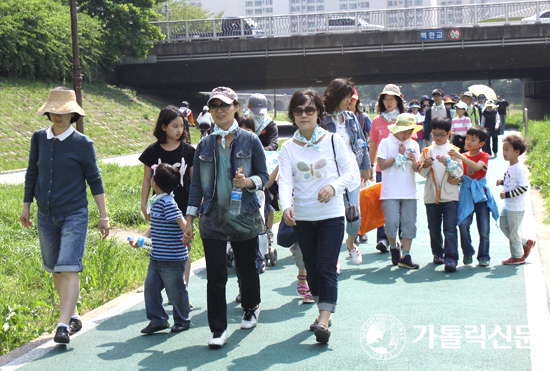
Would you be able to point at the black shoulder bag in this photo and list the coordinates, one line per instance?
(352, 212)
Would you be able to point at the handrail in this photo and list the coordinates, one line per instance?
(484, 14)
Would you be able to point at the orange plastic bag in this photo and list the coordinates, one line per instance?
(372, 215)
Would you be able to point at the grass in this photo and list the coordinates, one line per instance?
(538, 159)
(119, 121)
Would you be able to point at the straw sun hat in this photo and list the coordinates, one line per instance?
(61, 101)
(405, 121)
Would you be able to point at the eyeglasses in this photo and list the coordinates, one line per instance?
(309, 110)
(439, 135)
(348, 99)
(224, 107)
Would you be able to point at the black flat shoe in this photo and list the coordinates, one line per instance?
(179, 327)
(75, 325)
(154, 328)
(62, 335)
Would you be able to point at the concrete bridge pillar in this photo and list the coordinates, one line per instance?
(536, 97)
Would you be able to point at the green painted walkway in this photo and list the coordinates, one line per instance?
(486, 309)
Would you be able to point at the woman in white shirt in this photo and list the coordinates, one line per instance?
(311, 195)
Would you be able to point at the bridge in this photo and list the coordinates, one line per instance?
(484, 41)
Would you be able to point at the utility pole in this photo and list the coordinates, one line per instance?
(77, 75)
(167, 11)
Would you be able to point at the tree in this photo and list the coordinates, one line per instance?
(182, 11)
(35, 40)
(126, 25)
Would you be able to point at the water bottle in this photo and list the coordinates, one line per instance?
(144, 242)
(361, 143)
(236, 199)
(452, 167)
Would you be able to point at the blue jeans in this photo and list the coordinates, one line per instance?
(483, 218)
(502, 123)
(62, 240)
(320, 242)
(353, 228)
(166, 275)
(446, 213)
(380, 231)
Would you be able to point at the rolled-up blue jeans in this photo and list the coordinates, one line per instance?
(320, 242)
(62, 240)
(352, 228)
(166, 275)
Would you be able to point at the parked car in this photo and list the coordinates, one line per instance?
(544, 18)
(346, 24)
(230, 26)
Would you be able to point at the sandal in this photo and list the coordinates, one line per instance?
(308, 299)
(302, 288)
(316, 323)
(322, 333)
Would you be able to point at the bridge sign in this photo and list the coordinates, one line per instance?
(455, 34)
(432, 35)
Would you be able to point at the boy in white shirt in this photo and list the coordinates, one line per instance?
(398, 158)
(441, 195)
(515, 185)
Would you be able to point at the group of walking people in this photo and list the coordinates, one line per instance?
(334, 150)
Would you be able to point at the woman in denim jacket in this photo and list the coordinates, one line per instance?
(337, 99)
(229, 157)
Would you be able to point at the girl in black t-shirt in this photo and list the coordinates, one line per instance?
(170, 148)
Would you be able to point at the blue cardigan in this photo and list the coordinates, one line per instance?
(58, 171)
(471, 192)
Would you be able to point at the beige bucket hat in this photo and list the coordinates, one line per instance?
(391, 89)
(405, 121)
(60, 101)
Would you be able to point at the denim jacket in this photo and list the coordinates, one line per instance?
(249, 155)
(355, 133)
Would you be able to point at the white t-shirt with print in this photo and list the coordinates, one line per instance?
(398, 184)
(304, 172)
(514, 177)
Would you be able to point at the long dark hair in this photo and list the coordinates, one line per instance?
(166, 116)
(336, 91)
(303, 96)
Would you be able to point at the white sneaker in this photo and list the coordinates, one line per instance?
(218, 341)
(355, 256)
(250, 318)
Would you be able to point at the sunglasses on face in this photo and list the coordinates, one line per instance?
(309, 110)
(224, 106)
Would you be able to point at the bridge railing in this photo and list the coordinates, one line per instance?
(357, 21)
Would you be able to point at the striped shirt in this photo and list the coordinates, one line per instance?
(166, 232)
(461, 126)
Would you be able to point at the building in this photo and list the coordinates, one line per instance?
(281, 7)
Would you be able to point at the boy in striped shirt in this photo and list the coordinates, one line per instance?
(169, 255)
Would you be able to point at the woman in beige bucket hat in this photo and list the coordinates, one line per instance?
(61, 161)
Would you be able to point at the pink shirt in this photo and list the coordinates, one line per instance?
(461, 125)
(378, 131)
